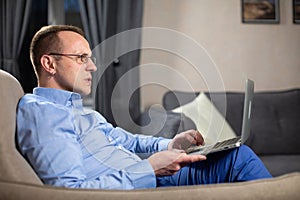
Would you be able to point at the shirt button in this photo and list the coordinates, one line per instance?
(120, 147)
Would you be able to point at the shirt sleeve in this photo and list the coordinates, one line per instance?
(138, 143)
(46, 137)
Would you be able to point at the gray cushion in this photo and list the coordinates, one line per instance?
(276, 122)
(164, 123)
(281, 164)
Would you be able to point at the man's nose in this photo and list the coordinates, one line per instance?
(91, 66)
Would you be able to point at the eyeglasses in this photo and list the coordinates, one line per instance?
(80, 58)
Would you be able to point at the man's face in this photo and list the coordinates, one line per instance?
(71, 73)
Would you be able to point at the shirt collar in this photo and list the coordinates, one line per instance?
(56, 95)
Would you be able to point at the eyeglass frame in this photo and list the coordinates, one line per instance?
(81, 56)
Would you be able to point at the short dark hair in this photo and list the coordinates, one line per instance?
(46, 40)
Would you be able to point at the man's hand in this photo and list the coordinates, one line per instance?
(185, 139)
(166, 163)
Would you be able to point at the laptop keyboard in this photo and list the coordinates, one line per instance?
(207, 149)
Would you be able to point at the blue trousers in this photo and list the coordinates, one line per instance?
(239, 164)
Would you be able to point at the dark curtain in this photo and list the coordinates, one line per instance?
(14, 20)
(102, 19)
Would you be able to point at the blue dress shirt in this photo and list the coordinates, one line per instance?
(70, 146)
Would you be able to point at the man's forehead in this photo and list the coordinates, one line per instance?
(71, 38)
(68, 34)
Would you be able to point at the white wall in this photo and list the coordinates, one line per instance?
(267, 53)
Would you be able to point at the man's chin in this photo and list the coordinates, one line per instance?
(84, 92)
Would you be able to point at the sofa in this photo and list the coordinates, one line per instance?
(19, 181)
(275, 123)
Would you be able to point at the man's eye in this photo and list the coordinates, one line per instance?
(83, 58)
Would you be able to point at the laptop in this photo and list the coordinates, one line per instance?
(236, 141)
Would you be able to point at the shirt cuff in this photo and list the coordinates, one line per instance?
(163, 144)
(142, 175)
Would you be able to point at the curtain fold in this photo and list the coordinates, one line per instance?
(102, 20)
(14, 20)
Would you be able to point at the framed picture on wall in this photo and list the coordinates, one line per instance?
(260, 11)
(296, 11)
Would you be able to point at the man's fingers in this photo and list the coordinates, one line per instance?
(195, 137)
(184, 158)
(199, 138)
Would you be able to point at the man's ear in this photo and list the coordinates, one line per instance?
(48, 63)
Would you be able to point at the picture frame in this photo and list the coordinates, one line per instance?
(260, 11)
(296, 11)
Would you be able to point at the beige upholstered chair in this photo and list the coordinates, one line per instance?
(19, 181)
(13, 166)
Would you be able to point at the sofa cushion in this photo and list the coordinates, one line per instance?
(276, 122)
(281, 164)
(161, 123)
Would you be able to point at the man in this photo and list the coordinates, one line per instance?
(71, 147)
